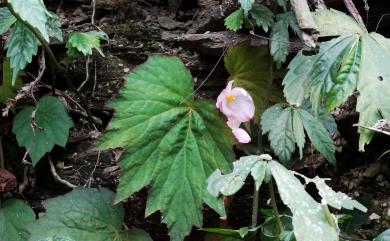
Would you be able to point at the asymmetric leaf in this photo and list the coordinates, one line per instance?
(279, 42)
(173, 143)
(14, 215)
(6, 89)
(39, 128)
(21, 46)
(309, 221)
(6, 20)
(84, 43)
(34, 12)
(235, 20)
(251, 68)
(83, 214)
(262, 15)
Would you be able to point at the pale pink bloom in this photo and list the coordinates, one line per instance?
(241, 135)
(236, 103)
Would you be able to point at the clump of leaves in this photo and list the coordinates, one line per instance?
(172, 146)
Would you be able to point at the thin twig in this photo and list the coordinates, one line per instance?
(372, 129)
(255, 206)
(279, 226)
(355, 13)
(88, 183)
(87, 62)
(380, 20)
(57, 177)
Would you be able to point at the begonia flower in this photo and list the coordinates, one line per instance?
(241, 135)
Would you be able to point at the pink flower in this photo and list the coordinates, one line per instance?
(237, 105)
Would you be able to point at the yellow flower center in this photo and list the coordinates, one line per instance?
(230, 98)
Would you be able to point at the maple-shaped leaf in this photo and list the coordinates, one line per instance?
(84, 43)
(21, 46)
(14, 216)
(172, 142)
(34, 12)
(251, 68)
(235, 20)
(39, 128)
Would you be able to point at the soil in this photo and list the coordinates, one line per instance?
(140, 28)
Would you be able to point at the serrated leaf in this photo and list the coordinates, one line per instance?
(311, 76)
(318, 136)
(172, 146)
(289, 17)
(262, 15)
(8, 91)
(337, 200)
(309, 221)
(21, 46)
(373, 84)
(385, 236)
(34, 12)
(279, 42)
(246, 5)
(83, 214)
(335, 23)
(269, 117)
(251, 68)
(345, 83)
(282, 137)
(84, 43)
(53, 26)
(6, 20)
(39, 128)
(235, 20)
(299, 132)
(282, 3)
(14, 215)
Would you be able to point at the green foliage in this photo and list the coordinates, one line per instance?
(230, 183)
(270, 232)
(279, 42)
(251, 68)
(14, 215)
(84, 43)
(235, 20)
(244, 232)
(6, 20)
(53, 26)
(246, 5)
(262, 15)
(385, 236)
(83, 214)
(39, 128)
(21, 46)
(7, 90)
(285, 128)
(34, 12)
(172, 144)
(139, 235)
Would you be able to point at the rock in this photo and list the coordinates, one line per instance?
(168, 23)
(374, 216)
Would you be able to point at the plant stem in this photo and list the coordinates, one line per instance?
(255, 206)
(57, 65)
(279, 224)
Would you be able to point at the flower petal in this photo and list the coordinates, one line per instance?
(241, 135)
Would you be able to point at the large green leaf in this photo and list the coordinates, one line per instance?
(21, 46)
(39, 128)
(173, 143)
(34, 12)
(235, 20)
(83, 214)
(309, 221)
(251, 68)
(384, 236)
(318, 135)
(335, 23)
(14, 215)
(6, 20)
(269, 117)
(84, 43)
(262, 15)
(373, 85)
(279, 42)
(6, 89)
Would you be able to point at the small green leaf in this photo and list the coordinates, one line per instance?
(258, 172)
(262, 15)
(258, 81)
(345, 83)
(318, 135)
(309, 221)
(335, 23)
(269, 117)
(83, 214)
(34, 12)
(6, 20)
(385, 236)
(21, 46)
(8, 91)
(246, 5)
(299, 132)
(53, 26)
(235, 20)
(172, 146)
(279, 42)
(39, 128)
(14, 215)
(84, 43)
